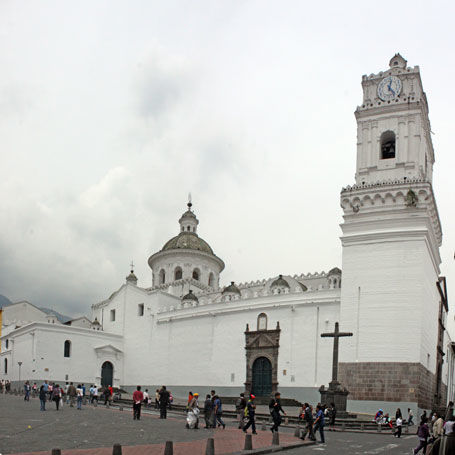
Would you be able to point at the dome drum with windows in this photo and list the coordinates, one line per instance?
(186, 258)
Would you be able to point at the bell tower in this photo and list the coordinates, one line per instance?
(393, 129)
(391, 234)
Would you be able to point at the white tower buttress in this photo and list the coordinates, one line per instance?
(391, 239)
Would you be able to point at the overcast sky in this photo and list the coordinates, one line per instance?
(111, 112)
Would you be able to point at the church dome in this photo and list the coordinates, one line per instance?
(334, 271)
(280, 282)
(190, 296)
(189, 241)
(231, 289)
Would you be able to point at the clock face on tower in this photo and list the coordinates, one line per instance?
(389, 88)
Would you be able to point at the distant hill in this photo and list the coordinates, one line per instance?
(4, 301)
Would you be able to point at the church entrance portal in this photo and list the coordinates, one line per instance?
(107, 374)
(262, 377)
(261, 349)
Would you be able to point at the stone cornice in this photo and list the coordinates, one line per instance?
(220, 308)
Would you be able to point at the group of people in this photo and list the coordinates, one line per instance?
(431, 430)
(163, 400)
(315, 420)
(69, 394)
(5, 386)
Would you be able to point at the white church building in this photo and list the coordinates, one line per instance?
(188, 332)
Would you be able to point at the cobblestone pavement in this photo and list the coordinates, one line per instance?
(25, 429)
(338, 443)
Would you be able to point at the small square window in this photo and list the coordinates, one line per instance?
(112, 315)
(140, 309)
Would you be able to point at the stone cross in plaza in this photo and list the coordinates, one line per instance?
(336, 336)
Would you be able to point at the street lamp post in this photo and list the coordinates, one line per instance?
(20, 364)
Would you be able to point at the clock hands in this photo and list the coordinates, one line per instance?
(389, 86)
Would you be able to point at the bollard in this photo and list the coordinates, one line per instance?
(169, 448)
(379, 427)
(263, 426)
(248, 442)
(286, 421)
(56, 452)
(406, 429)
(297, 432)
(121, 408)
(276, 439)
(117, 449)
(84, 401)
(95, 403)
(362, 427)
(108, 404)
(343, 426)
(210, 450)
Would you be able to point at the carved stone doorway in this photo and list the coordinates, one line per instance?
(262, 348)
(107, 374)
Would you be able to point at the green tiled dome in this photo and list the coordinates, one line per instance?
(188, 241)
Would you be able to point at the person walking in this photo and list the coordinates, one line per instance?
(107, 394)
(79, 396)
(332, 416)
(240, 406)
(208, 411)
(164, 402)
(147, 398)
(308, 419)
(27, 390)
(42, 398)
(250, 412)
(34, 390)
(218, 412)
(410, 417)
(157, 399)
(275, 409)
(192, 419)
(438, 427)
(56, 395)
(399, 424)
(422, 433)
(95, 394)
(138, 398)
(319, 422)
(72, 393)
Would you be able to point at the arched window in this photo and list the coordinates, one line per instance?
(178, 273)
(211, 280)
(6, 343)
(162, 276)
(196, 274)
(5, 366)
(387, 145)
(67, 349)
(262, 321)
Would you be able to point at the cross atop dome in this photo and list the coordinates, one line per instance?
(188, 221)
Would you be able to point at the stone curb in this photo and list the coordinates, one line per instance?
(274, 449)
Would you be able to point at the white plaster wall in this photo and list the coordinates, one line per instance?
(395, 317)
(210, 350)
(40, 348)
(22, 313)
(384, 327)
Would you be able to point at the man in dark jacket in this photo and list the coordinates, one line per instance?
(308, 419)
(275, 409)
(250, 412)
(164, 402)
(71, 391)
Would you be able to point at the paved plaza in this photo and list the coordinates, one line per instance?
(94, 430)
